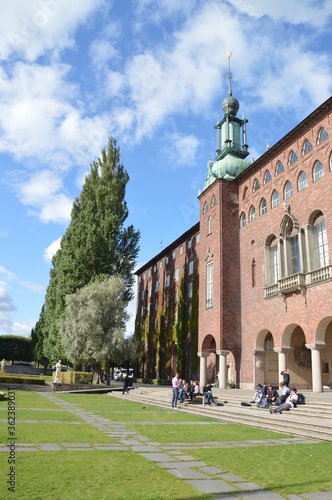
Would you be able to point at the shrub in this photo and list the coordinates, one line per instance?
(19, 379)
(154, 381)
(74, 377)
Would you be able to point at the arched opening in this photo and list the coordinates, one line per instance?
(209, 349)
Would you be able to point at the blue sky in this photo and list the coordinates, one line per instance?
(153, 74)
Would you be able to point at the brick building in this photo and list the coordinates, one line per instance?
(261, 257)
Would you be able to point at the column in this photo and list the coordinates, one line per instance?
(282, 357)
(222, 368)
(202, 369)
(316, 366)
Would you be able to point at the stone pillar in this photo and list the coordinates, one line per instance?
(282, 357)
(202, 369)
(316, 366)
(223, 368)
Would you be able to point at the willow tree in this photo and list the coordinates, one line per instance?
(96, 244)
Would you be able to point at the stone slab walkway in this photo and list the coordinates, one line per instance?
(172, 457)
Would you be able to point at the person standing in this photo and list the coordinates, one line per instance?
(125, 384)
(286, 377)
(175, 384)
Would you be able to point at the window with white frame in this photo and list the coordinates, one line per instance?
(150, 291)
(307, 146)
(279, 168)
(197, 237)
(190, 290)
(142, 295)
(292, 158)
(209, 284)
(318, 171)
(273, 263)
(168, 280)
(295, 254)
(154, 268)
(205, 208)
(160, 264)
(322, 135)
(173, 255)
(267, 176)
(288, 190)
(275, 198)
(242, 219)
(191, 267)
(321, 253)
(181, 249)
(302, 181)
(263, 207)
(166, 260)
(213, 201)
(188, 244)
(177, 274)
(256, 185)
(252, 214)
(156, 304)
(176, 295)
(139, 279)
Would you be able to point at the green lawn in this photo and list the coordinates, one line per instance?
(288, 469)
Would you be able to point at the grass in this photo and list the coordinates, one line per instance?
(286, 470)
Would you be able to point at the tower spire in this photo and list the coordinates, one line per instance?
(229, 55)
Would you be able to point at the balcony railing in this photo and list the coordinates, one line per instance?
(292, 283)
(319, 275)
(298, 281)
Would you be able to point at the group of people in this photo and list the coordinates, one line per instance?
(268, 396)
(183, 390)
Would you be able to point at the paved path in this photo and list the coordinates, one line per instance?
(172, 457)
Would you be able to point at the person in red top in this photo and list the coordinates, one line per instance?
(175, 384)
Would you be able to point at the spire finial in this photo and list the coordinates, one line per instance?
(267, 145)
(228, 55)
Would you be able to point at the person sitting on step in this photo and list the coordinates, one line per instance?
(291, 401)
(261, 393)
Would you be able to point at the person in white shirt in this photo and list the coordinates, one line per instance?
(175, 384)
(291, 401)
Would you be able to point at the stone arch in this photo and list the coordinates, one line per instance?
(265, 359)
(322, 329)
(323, 337)
(298, 357)
(209, 350)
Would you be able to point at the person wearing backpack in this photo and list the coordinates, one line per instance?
(290, 403)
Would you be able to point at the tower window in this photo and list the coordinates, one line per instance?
(292, 158)
(275, 198)
(318, 171)
(302, 182)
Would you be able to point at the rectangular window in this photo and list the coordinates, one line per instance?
(197, 238)
(296, 267)
(190, 310)
(177, 274)
(154, 269)
(274, 265)
(156, 305)
(150, 291)
(173, 255)
(168, 280)
(209, 287)
(139, 279)
(141, 311)
(160, 264)
(155, 324)
(157, 286)
(191, 267)
(149, 273)
(190, 290)
(188, 244)
(166, 260)
(176, 296)
(181, 249)
(142, 294)
(321, 253)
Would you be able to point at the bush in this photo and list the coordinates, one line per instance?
(154, 381)
(74, 377)
(19, 379)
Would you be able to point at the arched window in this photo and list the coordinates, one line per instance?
(245, 193)
(322, 135)
(256, 185)
(318, 171)
(279, 168)
(307, 146)
(242, 219)
(213, 201)
(292, 158)
(267, 176)
(269, 343)
(263, 207)
(206, 207)
(209, 225)
(252, 214)
(275, 198)
(302, 181)
(288, 190)
(321, 253)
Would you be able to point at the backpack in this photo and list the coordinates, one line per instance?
(281, 399)
(245, 404)
(300, 399)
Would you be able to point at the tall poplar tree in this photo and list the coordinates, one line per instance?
(96, 243)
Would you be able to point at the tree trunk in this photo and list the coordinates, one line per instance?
(96, 378)
(108, 378)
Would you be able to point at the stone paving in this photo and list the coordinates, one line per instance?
(170, 456)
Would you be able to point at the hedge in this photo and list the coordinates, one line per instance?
(18, 379)
(15, 348)
(74, 377)
(154, 381)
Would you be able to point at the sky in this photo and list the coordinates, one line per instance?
(153, 74)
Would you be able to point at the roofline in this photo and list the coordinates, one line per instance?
(166, 250)
(280, 145)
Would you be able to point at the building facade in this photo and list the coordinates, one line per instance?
(262, 299)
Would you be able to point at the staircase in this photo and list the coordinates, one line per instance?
(312, 420)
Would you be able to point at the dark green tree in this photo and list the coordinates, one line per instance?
(37, 339)
(181, 328)
(95, 245)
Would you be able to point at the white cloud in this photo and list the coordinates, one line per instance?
(6, 301)
(181, 150)
(51, 250)
(9, 276)
(312, 12)
(33, 28)
(33, 287)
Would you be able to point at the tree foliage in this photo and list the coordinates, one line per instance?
(95, 245)
(93, 326)
(181, 327)
(16, 348)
